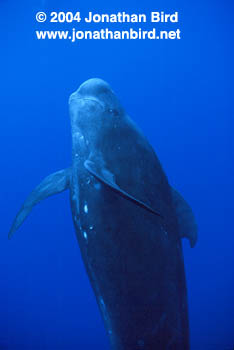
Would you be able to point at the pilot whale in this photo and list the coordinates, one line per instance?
(129, 223)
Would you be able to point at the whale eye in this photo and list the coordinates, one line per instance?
(113, 112)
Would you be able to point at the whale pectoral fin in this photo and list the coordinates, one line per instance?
(52, 184)
(107, 178)
(186, 220)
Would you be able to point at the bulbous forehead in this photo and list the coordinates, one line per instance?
(98, 90)
(94, 87)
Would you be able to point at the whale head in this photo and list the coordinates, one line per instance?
(94, 110)
(93, 107)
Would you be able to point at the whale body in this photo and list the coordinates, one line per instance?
(129, 223)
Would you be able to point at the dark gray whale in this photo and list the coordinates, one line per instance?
(129, 223)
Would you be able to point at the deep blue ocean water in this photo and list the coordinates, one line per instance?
(180, 92)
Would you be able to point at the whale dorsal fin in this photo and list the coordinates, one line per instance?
(106, 177)
(186, 220)
(52, 184)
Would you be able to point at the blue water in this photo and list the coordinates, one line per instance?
(180, 92)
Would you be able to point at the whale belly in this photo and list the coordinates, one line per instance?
(135, 265)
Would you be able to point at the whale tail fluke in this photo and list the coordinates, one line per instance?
(52, 184)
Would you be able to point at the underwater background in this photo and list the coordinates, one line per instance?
(180, 92)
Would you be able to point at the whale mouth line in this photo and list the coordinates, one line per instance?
(90, 99)
(86, 99)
